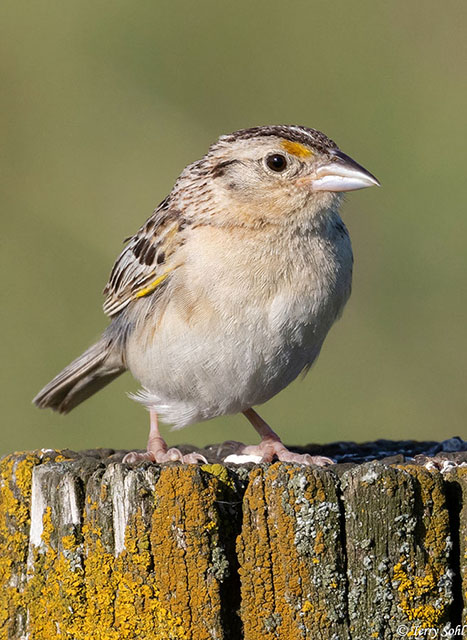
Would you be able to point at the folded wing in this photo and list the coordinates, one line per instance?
(144, 263)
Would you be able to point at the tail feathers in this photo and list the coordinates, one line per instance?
(94, 369)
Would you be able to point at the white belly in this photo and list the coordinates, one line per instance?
(222, 348)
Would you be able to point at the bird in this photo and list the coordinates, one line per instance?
(228, 290)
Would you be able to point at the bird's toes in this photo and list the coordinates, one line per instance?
(304, 458)
(175, 455)
(194, 458)
(268, 451)
(160, 457)
(134, 457)
(322, 461)
(171, 455)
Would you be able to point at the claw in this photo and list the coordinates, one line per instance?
(194, 458)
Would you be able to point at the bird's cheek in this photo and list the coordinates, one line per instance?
(302, 188)
(304, 185)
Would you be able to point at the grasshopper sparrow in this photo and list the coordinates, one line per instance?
(228, 290)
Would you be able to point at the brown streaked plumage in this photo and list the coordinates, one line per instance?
(142, 260)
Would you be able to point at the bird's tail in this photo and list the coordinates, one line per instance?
(95, 368)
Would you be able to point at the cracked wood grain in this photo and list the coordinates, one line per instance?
(291, 557)
(398, 548)
(91, 547)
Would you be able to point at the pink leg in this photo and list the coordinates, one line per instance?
(157, 450)
(271, 445)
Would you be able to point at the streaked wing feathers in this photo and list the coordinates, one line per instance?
(142, 265)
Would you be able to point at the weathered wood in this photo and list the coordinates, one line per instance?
(397, 546)
(292, 569)
(457, 496)
(93, 548)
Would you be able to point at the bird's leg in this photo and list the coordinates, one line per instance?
(157, 450)
(271, 446)
(269, 438)
(157, 446)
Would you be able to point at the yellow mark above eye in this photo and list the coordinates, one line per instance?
(296, 149)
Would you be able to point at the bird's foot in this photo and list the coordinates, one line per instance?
(270, 448)
(160, 456)
(157, 450)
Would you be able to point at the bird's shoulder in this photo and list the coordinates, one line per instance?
(145, 263)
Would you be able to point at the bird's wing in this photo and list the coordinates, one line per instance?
(142, 266)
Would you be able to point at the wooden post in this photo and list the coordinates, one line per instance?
(91, 548)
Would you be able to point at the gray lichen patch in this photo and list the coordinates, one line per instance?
(456, 481)
(292, 527)
(397, 534)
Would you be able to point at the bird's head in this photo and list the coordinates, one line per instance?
(275, 173)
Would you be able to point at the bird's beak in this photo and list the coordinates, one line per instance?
(342, 173)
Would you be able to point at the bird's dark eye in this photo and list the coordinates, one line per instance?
(276, 162)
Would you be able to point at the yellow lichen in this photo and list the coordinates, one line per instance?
(418, 584)
(185, 527)
(106, 598)
(220, 472)
(54, 591)
(274, 556)
(15, 491)
(122, 595)
(78, 588)
(307, 606)
(412, 589)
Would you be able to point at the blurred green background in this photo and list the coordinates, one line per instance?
(103, 104)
